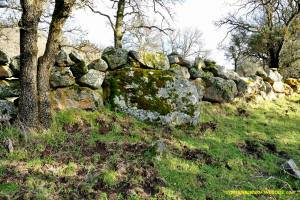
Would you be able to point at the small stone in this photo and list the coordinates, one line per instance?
(291, 167)
(278, 87)
(10, 146)
(61, 77)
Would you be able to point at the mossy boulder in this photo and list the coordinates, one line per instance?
(7, 111)
(61, 77)
(182, 71)
(92, 79)
(75, 57)
(5, 71)
(248, 86)
(98, 64)
(154, 96)
(272, 76)
(200, 85)
(76, 97)
(156, 60)
(9, 88)
(199, 63)
(196, 73)
(219, 90)
(115, 57)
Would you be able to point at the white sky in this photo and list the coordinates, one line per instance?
(192, 13)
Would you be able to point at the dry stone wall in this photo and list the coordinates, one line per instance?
(154, 87)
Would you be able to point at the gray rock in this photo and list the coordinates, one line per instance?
(10, 146)
(7, 111)
(5, 71)
(156, 60)
(76, 97)
(272, 76)
(76, 57)
(61, 77)
(137, 60)
(174, 58)
(220, 90)
(115, 58)
(248, 86)
(63, 59)
(291, 167)
(4, 59)
(159, 150)
(248, 68)
(186, 63)
(200, 87)
(92, 79)
(15, 66)
(154, 96)
(182, 71)
(9, 88)
(99, 65)
(269, 87)
(196, 73)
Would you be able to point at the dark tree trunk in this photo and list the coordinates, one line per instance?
(28, 103)
(61, 13)
(118, 32)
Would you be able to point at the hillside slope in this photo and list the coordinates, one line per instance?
(107, 155)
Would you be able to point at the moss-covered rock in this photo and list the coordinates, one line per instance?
(115, 58)
(156, 60)
(200, 85)
(154, 95)
(5, 71)
(9, 88)
(196, 73)
(63, 59)
(61, 77)
(182, 71)
(76, 97)
(219, 90)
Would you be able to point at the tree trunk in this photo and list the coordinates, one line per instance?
(28, 103)
(118, 32)
(61, 13)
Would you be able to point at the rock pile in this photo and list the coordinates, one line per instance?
(151, 86)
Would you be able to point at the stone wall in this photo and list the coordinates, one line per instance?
(154, 87)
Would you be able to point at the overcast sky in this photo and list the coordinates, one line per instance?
(192, 13)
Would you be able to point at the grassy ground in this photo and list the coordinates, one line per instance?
(107, 155)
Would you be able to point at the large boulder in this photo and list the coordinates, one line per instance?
(92, 79)
(76, 97)
(272, 76)
(174, 58)
(182, 71)
(7, 111)
(61, 77)
(199, 63)
(63, 59)
(248, 86)
(4, 60)
(156, 60)
(154, 96)
(75, 57)
(219, 90)
(9, 88)
(99, 65)
(115, 58)
(5, 71)
(15, 66)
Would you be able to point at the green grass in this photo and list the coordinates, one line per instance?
(108, 155)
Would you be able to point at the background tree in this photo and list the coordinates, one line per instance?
(125, 10)
(268, 23)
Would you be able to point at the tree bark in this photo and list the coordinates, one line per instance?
(28, 103)
(118, 32)
(61, 13)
